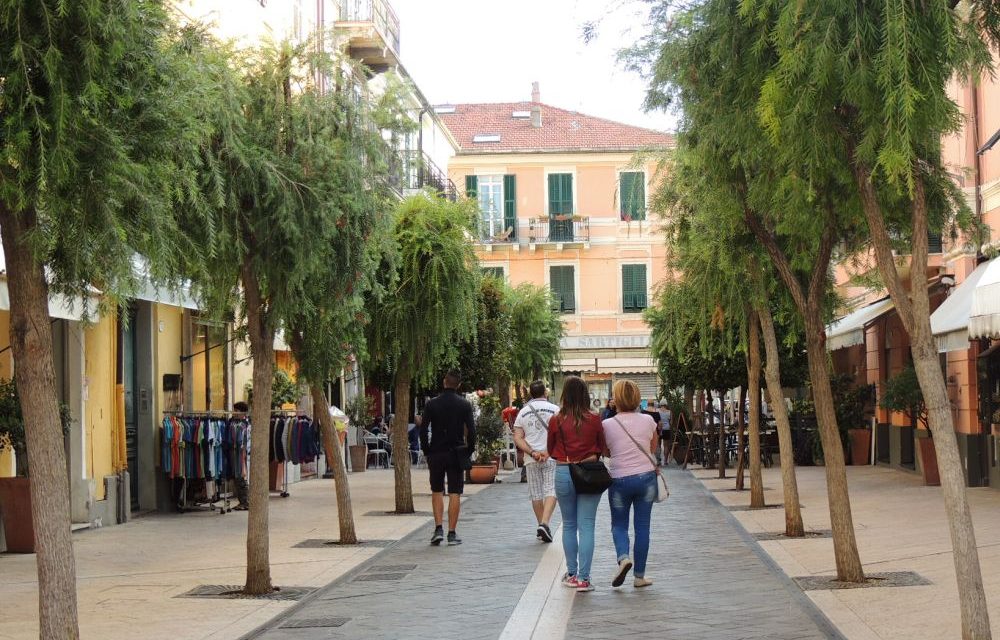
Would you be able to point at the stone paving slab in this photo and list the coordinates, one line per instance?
(466, 591)
(710, 580)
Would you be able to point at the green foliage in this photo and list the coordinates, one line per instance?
(284, 390)
(902, 393)
(489, 429)
(536, 330)
(12, 424)
(429, 301)
(486, 358)
(851, 402)
(360, 410)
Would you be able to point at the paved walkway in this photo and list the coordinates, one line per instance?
(709, 583)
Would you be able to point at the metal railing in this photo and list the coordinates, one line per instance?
(561, 228)
(413, 170)
(379, 13)
(494, 230)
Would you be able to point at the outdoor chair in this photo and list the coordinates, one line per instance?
(376, 450)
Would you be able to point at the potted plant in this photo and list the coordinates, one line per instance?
(15, 494)
(359, 413)
(850, 404)
(902, 393)
(489, 441)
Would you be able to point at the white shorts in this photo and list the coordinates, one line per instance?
(541, 479)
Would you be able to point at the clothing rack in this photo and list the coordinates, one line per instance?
(293, 438)
(207, 446)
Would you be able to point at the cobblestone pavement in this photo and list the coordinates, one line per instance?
(710, 581)
(466, 591)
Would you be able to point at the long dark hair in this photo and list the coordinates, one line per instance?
(575, 400)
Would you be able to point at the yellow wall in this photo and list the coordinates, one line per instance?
(100, 343)
(6, 371)
(168, 322)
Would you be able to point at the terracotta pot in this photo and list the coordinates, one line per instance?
(928, 458)
(861, 444)
(359, 457)
(483, 474)
(15, 505)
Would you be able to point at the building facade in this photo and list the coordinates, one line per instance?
(564, 200)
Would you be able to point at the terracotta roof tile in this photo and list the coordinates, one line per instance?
(561, 130)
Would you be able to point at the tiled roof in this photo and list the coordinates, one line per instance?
(561, 130)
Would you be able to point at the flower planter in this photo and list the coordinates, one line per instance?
(359, 457)
(15, 505)
(483, 473)
(861, 443)
(928, 459)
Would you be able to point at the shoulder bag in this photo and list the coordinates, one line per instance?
(662, 491)
(590, 477)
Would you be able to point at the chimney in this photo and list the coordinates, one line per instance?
(536, 116)
(536, 95)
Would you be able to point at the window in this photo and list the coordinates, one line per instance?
(633, 288)
(209, 371)
(632, 195)
(561, 207)
(493, 272)
(491, 204)
(563, 286)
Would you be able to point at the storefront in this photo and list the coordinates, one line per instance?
(603, 359)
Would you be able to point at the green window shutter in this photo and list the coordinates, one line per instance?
(560, 193)
(563, 287)
(632, 195)
(471, 186)
(510, 205)
(633, 288)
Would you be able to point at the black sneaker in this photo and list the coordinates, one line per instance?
(545, 533)
(438, 536)
(453, 539)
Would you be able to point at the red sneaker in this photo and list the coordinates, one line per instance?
(569, 581)
(582, 586)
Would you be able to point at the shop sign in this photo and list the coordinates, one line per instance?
(605, 342)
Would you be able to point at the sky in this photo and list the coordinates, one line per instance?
(487, 51)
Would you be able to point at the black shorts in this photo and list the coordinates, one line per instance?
(446, 464)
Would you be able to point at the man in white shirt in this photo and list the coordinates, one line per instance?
(531, 434)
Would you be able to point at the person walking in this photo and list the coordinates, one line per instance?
(631, 439)
(665, 437)
(576, 435)
(453, 437)
(531, 435)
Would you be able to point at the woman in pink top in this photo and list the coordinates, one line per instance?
(631, 438)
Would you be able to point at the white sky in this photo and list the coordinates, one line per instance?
(488, 51)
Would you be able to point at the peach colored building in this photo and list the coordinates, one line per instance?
(964, 282)
(564, 204)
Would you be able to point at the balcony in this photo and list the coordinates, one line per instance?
(561, 229)
(370, 29)
(495, 232)
(411, 171)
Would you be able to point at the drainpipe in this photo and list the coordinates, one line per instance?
(975, 145)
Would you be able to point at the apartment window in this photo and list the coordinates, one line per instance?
(493, 272)
(561, 207)
(490, 195)
(632, 195)
(633, 288)
(563, 285)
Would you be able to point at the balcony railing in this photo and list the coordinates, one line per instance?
(559, 229)
(411, 170)
(377, 12)
(494, 230)
(634, 302)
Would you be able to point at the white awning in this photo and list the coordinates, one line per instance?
(950, 321)
(60, 307)
(609, 365)
(179, 296)
(850, 330)
(984, 314)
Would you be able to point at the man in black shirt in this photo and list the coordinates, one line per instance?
(452, 428)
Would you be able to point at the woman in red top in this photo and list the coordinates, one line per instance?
(576, 435)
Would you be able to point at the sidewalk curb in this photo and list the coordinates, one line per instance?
(815, 613)
(276, 621)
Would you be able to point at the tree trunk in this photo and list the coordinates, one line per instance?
(261, 333)
(722, 433)
(335, 454)
(756, 481)
(401, 446)
(740, 462)
(31, 347)
(772, 375)
(503, 390)
(845, 547)
(914, 311)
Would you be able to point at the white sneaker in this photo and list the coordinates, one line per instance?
(642, 582)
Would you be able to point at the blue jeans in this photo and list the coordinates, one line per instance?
(579, 511)
(636, 492)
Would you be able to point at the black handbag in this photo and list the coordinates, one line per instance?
(592, 478)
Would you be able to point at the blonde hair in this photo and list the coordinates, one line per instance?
(626, 395)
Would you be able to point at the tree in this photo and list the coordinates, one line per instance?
(429, 308)
(536, 330)
(485, 359)
(868, 85)
(100, 117)
(712, 63)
